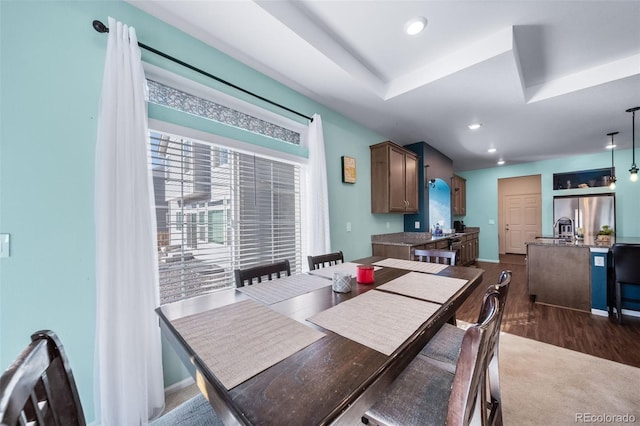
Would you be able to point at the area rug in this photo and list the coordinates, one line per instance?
(542, 384)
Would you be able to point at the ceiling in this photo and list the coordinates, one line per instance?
(545, 78)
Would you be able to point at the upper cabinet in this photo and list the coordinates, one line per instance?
(394, 179)
(458, 196)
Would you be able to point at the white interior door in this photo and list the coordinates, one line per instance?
(522, 221)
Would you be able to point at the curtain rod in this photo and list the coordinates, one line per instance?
(102, 28)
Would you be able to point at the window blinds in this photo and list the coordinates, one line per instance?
(218, 210)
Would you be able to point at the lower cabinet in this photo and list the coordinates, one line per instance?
(467, 255)
(393, 251)
(469, 249)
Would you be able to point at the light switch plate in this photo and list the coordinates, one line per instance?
(598, 260)
(348, 226)
(4, 245)
(417, 224)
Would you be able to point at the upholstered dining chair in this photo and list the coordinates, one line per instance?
(425, 394)
(626, 269)
(444, 348)
(267, 270)
(324, 260)
(435, 256)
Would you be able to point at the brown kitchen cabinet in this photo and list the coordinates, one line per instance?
(394, 179)
(469, 249)
(458, 196)
(392, 251)
(406, 251)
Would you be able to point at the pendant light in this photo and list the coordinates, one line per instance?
(634, 169)
(612, 178)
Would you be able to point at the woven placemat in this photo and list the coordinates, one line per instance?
(433, 288)
(270, 292)
(412, 265)
(346, 267)
(240, 340)
(379, 320)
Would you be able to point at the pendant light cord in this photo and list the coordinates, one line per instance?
(634, 169)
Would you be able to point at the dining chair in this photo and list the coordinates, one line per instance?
(38, 387)
(626, 269)
(425, 394)
(435, 256)
(267, 270)
(443, 350)
(323, 260)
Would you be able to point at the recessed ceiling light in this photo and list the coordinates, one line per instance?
(491, 150)
(500, 162)
(474, 126)
(415, 26)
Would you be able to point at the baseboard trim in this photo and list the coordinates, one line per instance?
(489, 260)
(631, 313)
(600, 312)
(179, 385)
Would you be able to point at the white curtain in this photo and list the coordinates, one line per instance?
(128, 358)
(318, 239)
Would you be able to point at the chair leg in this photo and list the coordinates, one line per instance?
(619, 301)
(452, 320)
(493, 372)
(495, 417)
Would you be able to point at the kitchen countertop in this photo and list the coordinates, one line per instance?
(588, 241)
(411, 239)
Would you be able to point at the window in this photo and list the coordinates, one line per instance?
(215, 225)
(232, 210)
(202, 229)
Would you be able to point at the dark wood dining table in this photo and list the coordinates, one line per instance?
(333, 380)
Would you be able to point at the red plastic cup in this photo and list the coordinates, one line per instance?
(365, 274)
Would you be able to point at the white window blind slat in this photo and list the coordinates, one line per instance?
(219, 210)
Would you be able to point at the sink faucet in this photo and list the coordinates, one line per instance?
(563, 231)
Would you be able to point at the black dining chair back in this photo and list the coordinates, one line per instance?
(626, 268)
(258, 273)
(324, 260)
(39, 388)
(447, 257)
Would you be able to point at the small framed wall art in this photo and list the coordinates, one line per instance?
(348, 169)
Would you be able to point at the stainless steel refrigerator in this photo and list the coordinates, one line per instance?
(589, 212)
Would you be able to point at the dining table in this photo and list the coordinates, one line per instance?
(293, 351)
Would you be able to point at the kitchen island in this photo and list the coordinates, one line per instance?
(571, 273)
(402, 245)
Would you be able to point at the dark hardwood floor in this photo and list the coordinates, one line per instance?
(579, 331)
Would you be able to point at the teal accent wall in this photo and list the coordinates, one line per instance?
(51, 74)
(482, 194)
